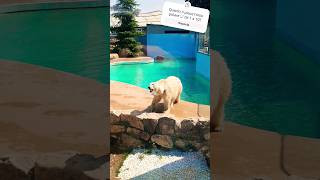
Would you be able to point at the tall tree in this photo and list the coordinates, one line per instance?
(126, 29)
(201, 3)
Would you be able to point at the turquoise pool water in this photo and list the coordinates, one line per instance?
(70, 40)
(195, 87)
(275, 86)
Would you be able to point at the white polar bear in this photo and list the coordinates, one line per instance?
(168, 89)
(221, 90)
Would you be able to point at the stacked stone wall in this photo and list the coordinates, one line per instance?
(151, 129)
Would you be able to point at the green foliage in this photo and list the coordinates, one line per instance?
(125, 12)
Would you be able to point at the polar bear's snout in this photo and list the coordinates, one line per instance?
(152, 88)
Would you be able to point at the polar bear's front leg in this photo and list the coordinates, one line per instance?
(156, 99)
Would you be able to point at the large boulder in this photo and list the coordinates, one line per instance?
(166, 126)
(159, 58)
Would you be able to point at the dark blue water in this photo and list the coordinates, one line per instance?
(275, 86)
(70, 40)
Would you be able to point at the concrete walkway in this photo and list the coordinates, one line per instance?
(126, 97)
(48, 117)
(247, 153)
(143, 59)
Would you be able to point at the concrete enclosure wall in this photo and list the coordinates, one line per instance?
(297, 22)
(203, 64)
(171, 45)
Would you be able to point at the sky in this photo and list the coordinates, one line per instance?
(147, 5)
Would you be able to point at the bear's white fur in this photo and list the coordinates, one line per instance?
(168, 89)
(221, 90)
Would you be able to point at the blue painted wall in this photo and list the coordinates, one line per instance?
(171, 45)
(142, 39)
(203, 64)
(297, 22)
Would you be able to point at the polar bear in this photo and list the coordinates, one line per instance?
(168, 89)
(221, 90)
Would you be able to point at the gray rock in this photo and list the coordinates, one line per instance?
(117, 129)
(187, 125)
(114, 117)
(145, 136)
(159, 58)
(206, 136)
(203, 124)
(195, 144)
(10, 172)
(188, 129)
(85, 162)
(166, 126)
(208, 155)
(133, 131)
(24, 162)
(130, 142)
(54, 160)
(162, 140)
(100, 173)
(150, 125)
(204, 149)
(180, 144)
(138, 133)
(194, 135)
(133, 121)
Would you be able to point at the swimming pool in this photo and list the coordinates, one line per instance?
(70, 40)
(275, 86)
(195, 87)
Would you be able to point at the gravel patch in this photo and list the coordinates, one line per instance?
(159, 164)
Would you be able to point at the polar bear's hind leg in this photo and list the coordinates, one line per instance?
(167, 102)
(218, 116)
(177, 99)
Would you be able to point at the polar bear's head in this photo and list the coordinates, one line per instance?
(156, 88)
